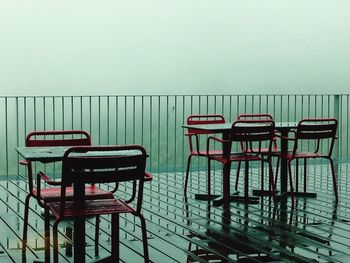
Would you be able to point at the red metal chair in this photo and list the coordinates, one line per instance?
(103, 164)
(52, 193)
(252, 137)
(194, 141)
(319, 135)
(258, 116)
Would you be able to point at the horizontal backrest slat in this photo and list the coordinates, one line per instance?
(252, 130)
(310, 129)
(58, 138)
(204, 119)
(104, 164)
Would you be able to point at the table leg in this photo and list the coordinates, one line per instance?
(284, 171)
(226, 185)
(79, 227)
(79, 239)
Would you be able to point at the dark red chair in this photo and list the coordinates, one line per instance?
(52, 193)
(319, 135)
(194, 137)
(258, 116)
(103, 164)
(251, 138)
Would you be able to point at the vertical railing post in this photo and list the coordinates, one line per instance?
(337, 111)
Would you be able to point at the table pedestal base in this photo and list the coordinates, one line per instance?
(296, 194)
(237, 198)
(205, 197)
(303, 194)
(263, 193)
(104, 260)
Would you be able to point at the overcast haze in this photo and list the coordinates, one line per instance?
(102, 47)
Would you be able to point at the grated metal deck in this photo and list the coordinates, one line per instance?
(186, 230)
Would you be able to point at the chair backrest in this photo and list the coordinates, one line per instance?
(54, 138)
(318, 130)
(258, 116)
(254, 116)
(58, 138)
(104, 164)
(204, 119)
(253, 135)
(201, 119)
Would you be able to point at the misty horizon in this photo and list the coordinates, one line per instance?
(183, 47)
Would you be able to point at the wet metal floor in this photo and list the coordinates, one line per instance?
(188, 230)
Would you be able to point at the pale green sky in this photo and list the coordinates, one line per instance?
(85, 47)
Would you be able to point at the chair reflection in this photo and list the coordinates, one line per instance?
(238, 241)
(295, 228)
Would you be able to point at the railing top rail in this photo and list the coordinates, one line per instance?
(174, 95)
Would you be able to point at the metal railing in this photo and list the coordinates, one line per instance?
(153, 121)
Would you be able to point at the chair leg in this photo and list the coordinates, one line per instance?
(189, 258)
(187, 211)
(305, 174)
(297, 175)
(69, 245)
(187, 173)
(290, 179)
(334, 181)
(25, 228)
(55, 241)
(97, 236)
(144, 239)
(47, 235)
(277, 167)
(115, 238)
(237, 175)
(262, 176)
(246, 179)
(208, 178)
(272, 183)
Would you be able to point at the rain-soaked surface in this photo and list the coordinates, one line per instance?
(187, 230)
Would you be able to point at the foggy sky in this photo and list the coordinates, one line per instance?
(90, 47)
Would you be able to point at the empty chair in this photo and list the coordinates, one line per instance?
(258, 116)
(52, 193)
(250, 140)
(196, 149)
(314, 138)
(100, 164)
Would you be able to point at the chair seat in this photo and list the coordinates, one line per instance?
(205, 153)
(237, 158)
(289, 155)
(91, 192)
(90, 208)
(266, 150)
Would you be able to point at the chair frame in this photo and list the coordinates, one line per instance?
(312, 129)
(194, 142)
(258, 116)
(52, 138)
(108, 168)
(246, 133)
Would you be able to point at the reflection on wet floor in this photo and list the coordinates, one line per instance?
(187, 230)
